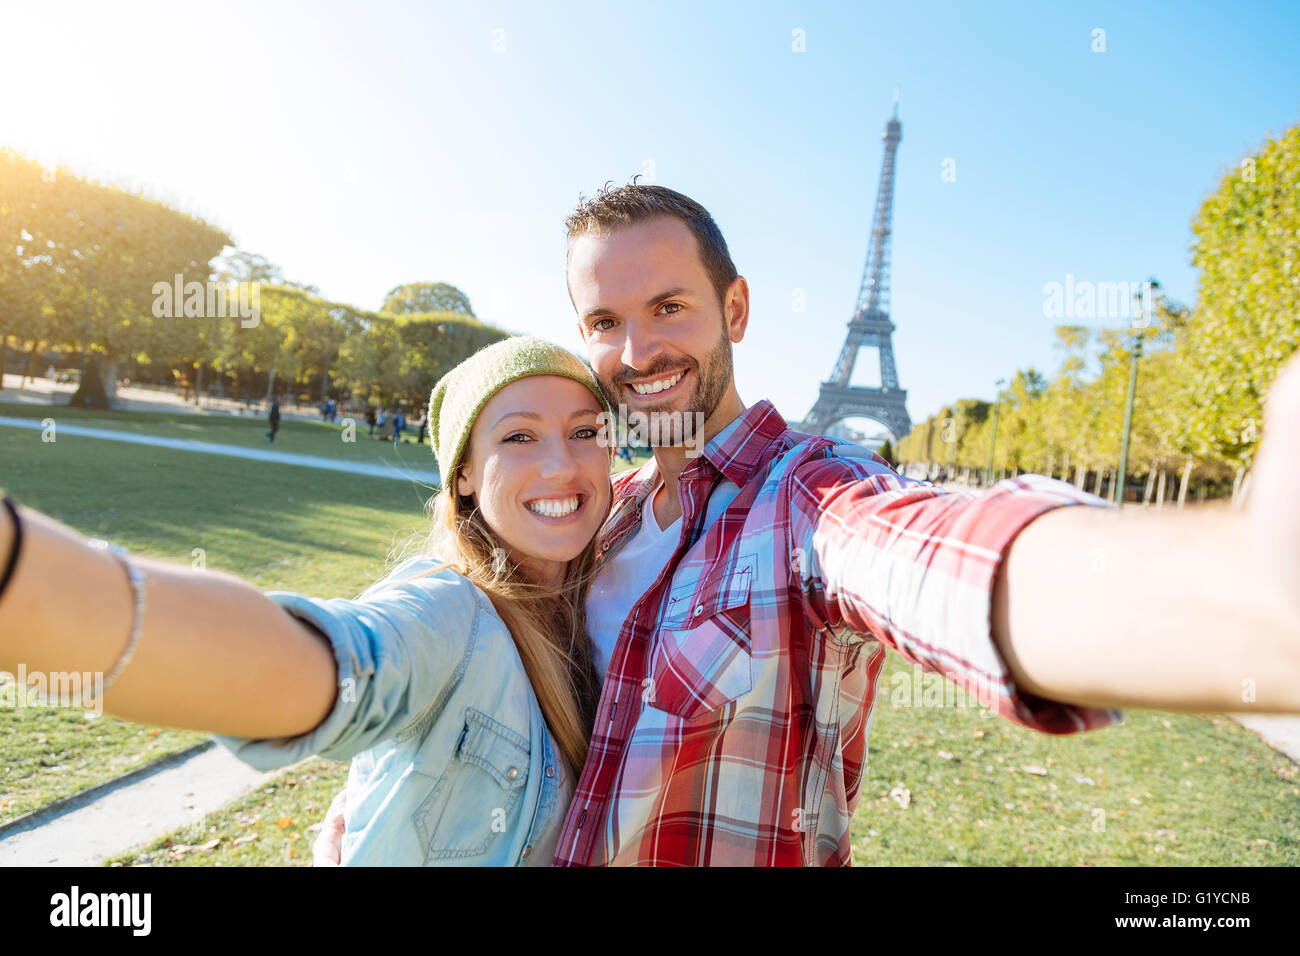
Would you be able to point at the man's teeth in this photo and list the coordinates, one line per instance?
(658, 386)
(554, 507)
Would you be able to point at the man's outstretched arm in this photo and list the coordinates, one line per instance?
(1179, 611)
(1064, 614)
(1147, 609)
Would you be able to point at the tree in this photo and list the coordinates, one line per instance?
(1246, 322)
(421, 297)
(99, 251)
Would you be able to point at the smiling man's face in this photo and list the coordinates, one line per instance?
(657, 337)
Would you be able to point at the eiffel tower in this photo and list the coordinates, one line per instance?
(870, 325)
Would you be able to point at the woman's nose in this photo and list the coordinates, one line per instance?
(558, 460)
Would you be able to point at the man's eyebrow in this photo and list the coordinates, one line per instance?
(653, 300)
(534, 416)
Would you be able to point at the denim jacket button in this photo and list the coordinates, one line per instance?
(550, 771)
(512, 773)
(524, 855)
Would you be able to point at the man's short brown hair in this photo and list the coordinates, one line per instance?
(616, 206)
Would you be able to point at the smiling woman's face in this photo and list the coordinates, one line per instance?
(538, 473)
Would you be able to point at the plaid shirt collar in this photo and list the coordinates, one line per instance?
(736, 452)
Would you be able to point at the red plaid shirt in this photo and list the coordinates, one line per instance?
(733, 722)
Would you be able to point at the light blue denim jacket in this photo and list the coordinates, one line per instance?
(452, 762)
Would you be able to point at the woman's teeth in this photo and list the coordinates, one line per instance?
(658, 386)
(554, 507)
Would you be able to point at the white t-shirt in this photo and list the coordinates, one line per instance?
(629, 574)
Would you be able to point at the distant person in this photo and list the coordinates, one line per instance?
(423, 424)
(274, 420)
(399, 422)
(371, 419)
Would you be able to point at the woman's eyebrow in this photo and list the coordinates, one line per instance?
(534, 416)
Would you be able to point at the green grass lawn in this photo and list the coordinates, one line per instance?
(944, 785)
(1160, 789)
(280, 527)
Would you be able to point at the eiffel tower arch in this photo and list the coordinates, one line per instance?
(870, 325)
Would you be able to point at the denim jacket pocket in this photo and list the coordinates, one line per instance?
(475, 799)
(702, 658)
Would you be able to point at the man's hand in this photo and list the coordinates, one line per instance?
(326, 851)
(1272, 505)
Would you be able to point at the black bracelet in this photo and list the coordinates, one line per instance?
(18, 543)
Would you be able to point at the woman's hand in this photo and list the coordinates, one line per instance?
(327, 850)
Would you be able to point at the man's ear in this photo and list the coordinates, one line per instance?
(735, 310)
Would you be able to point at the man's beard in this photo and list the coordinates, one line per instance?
(711, 383)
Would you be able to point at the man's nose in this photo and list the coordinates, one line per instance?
(641, 344)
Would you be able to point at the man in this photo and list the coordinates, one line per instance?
(766, 576)
(273, 419)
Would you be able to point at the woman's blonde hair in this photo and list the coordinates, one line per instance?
(548, 624)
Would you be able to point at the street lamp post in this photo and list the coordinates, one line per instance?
(1121, 477)
(993, 438)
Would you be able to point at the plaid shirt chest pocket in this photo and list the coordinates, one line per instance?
(702, 653)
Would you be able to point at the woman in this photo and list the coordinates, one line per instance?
(460, 686)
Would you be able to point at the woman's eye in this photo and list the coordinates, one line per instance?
(586, 433)
(511, 438)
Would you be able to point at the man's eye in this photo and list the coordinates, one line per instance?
(674, 307)
(598, 325)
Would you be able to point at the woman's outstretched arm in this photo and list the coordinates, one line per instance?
(214, 653)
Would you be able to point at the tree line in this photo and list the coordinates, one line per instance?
(1202, 372)
(131, 286)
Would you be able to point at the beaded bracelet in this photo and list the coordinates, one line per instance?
(136, 577)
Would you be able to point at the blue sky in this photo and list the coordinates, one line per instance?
(363, 145)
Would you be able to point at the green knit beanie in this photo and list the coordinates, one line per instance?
(461, 394)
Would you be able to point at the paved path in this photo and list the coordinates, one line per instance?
(137, 398)
(401, 473)
(108, 820)
(1279, 731)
